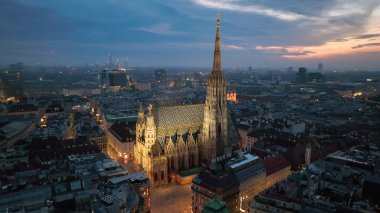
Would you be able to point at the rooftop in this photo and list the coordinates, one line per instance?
(236, 162)
(188, 116)
(214, 206)
(124, 131)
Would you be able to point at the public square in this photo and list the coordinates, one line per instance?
(171, 198)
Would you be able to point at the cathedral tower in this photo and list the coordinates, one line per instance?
(215, 130)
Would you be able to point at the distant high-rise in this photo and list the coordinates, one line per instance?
(320, 67)
(103, 78)
(117, 78)
(12, 83)
(301, 76)
(290, 69)
(110, 61)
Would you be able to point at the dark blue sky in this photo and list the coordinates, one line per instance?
(260, 33)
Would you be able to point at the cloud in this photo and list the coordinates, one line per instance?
(270, 12)
(161, 29)
(340, 40)
(366, 36)
(283, 51)
(234, 47)
(366, 45)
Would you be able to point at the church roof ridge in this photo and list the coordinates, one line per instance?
(179, 105)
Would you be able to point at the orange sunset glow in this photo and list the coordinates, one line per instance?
(367, 41)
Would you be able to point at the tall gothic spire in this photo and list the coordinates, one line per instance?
(215, 130)
(217, 65)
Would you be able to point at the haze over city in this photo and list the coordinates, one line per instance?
(343, 34)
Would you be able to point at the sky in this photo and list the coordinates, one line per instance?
(341, 34)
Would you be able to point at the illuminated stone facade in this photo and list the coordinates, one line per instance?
(167, 141)
(232, 96)
(215, 124)
(175, 138)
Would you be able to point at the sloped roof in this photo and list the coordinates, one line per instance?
(217, 183)
(178, 119)
(122, 130)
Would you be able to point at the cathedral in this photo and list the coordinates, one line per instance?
(175, 138)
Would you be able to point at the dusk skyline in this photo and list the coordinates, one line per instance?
(340, 33)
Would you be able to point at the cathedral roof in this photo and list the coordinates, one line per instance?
(173, 120)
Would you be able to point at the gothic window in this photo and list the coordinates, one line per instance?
(155, 176)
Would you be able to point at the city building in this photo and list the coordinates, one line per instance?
(103, 79)
(315, 77)
(86, 126)
(243, 131)
(117, 78)
(277, 199)
(233, 178)
(12, 83)
(121, 140)
(345, 181)
(215, 206)
(320, 67)
(14, 131)
(250, 172)
(232, 96)
(174, 138)
(215, 183)
(22, 109)
(10, 157)
(301, 76)
(41, 87)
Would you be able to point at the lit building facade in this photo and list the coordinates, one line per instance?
(121, 139)
(232, 96)
(237, 178)
(215, 124)
(250, 171)
(211, 184)
(12, 83)
(175, 138)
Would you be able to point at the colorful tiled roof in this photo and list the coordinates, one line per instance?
(178, 119)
